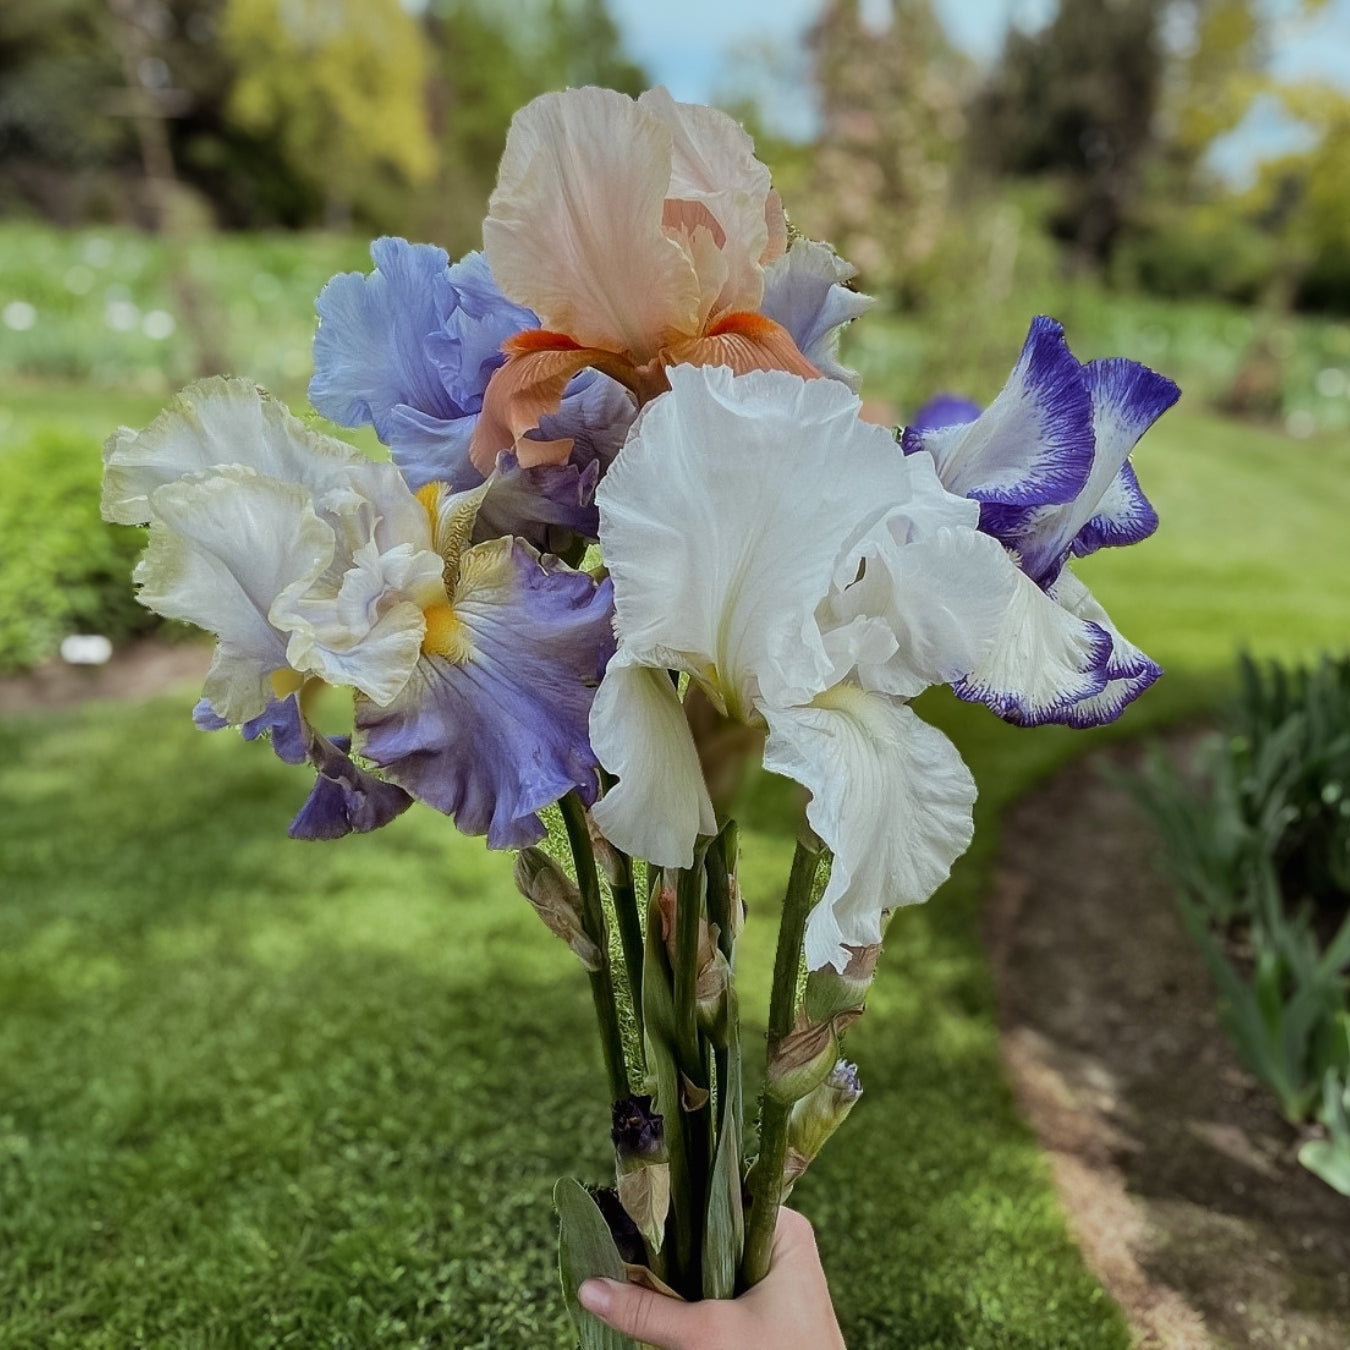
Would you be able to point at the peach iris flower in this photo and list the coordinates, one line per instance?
(638, 232)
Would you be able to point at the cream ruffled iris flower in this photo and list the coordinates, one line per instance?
(811, 579)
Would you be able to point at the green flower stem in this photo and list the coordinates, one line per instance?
(688, 913)
(630, 933)
(593, 920)
(766, 1177)
(720, 859)
(692, 1058)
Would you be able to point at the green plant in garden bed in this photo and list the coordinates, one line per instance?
(1261, 857)
(72, 575)
(63, 569)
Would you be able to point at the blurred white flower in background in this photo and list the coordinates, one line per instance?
(86, 649)
(19, 315)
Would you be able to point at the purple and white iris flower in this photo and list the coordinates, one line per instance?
(770, 545)
(409, 349)
(473, 665)
(1049, 463)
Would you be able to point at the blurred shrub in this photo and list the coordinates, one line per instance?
(1201, 249)
(63, 569)
(1259, 849)
(104, 309)
(341, 87)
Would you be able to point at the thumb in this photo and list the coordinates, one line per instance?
(644, 1315)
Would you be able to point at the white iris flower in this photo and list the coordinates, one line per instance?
(811, 579)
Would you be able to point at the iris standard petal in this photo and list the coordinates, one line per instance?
(891, 799)
(492, 725)
(1127, 399)
(713, 166)
(574, 227)
(467, 347)
(410, 349)
(660, 804)
(365, 627)
(1033, 445)
(804, 292)
(788, 473)
(370, 350)
(220, 421)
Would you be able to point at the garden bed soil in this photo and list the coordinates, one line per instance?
(139, 670)
(1178, 1174)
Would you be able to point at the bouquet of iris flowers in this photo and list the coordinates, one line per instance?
(633, 534)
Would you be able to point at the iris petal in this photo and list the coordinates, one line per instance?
(804, 291)
(496, 729)
(574, 226)
(889, 796)
(1033, 445)
(660, 805)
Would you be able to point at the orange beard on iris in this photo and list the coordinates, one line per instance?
(539, 365)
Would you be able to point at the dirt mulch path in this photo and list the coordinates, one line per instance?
(1177, 1172)
(140, 670)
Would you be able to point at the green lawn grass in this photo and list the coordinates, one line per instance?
(262, 1093)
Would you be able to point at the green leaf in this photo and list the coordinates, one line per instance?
(724, 1237)
(1329, 1160)
(658, 1010)
(585, 1250)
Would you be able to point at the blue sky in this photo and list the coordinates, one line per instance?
(691, 46)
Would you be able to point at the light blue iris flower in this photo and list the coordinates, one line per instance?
(409, 349)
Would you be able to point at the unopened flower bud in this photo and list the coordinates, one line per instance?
(607, 857)
(557, 901)
(639, 1137)
(815, 1117)
(638, 1132)
(829, 991)
(710, 989)
(621, 1226)
(714, 972)
(804, 1058)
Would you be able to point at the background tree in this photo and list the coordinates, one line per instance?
(891, 122)
(1077, 102)
(489, 60)
(57, 143)
(340, 84)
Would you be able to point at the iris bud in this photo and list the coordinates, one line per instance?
(639, 1136)
(621, 1228)
(815, 1117)
(714, 972)
(829, 991)
(557, 901)
(803, 1059)
(638, 1132)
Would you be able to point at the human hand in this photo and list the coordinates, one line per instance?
(789, 1309)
